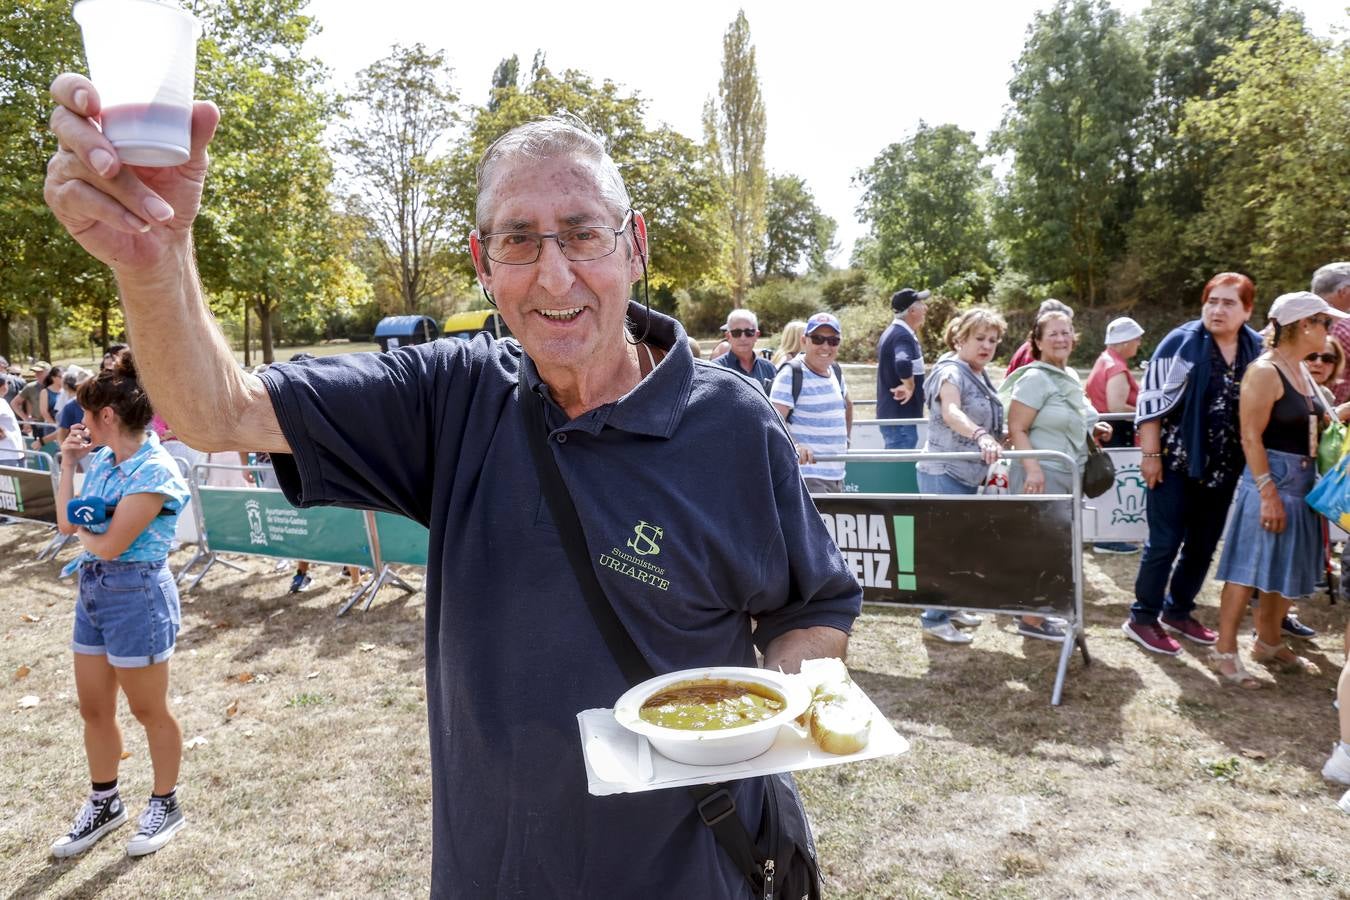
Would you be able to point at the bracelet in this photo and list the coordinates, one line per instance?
(1263, 480)
(1157, 455)
(979, 432)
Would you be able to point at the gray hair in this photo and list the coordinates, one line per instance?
(1330, 278)
(1053, 305)
(563, 135)
(745, 314)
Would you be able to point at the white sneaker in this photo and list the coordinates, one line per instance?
(161, 820)
(96, 818)
(965, 619)
(947, 632)
(1337, 767)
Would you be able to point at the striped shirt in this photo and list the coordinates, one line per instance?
(817, 419)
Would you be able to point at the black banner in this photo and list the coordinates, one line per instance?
(27, 494)
(991, 553)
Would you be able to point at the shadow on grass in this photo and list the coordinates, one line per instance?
(278, 619)
(94, 885)
(985, 697)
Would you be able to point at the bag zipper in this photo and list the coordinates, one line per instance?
(769, 865)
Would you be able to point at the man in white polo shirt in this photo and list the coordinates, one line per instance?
(810, 394)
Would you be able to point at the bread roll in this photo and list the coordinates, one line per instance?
(840, 723)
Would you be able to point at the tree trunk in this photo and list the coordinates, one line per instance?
(247, 363)
(103, 322)
(4, 335)
(265, 331)
(44, 337)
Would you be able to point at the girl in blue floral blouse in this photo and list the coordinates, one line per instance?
(126, 611)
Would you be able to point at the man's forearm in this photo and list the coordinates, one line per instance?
(787, 651)
(184, 361)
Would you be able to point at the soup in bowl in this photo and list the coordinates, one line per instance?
(712, 716)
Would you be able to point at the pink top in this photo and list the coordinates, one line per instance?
(159, 427)
(1021, 357)
(1340, 388)
(1109, 364)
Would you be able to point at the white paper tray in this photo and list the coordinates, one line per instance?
(611, 753)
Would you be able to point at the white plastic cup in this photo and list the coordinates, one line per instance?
(142, 58)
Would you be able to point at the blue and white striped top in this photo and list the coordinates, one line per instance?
(817, 419)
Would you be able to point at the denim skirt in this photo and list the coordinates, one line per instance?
(1287, 563)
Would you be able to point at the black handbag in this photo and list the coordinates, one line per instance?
(786, 867)
(1099, 472)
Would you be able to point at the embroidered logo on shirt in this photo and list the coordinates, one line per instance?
(644, 541)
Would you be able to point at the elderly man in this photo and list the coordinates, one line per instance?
(810, 394)
(1332, 284)
(742, 330)
(900, 369)
(641, 437)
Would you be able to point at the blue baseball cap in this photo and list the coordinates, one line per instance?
(821, 320)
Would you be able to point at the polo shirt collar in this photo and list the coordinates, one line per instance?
(899, 320)
(658, 402)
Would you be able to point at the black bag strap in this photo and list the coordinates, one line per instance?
(714, 803)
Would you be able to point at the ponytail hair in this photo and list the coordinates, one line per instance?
(119, 388)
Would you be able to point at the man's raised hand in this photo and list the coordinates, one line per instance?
(130, 217)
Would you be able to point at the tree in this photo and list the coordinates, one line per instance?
(1275, 207)
(42, 270)
(395, 147)
(264, 234)
(1077, 93)
(924, 200)
(505, 77)
(736, 127)
(1181, 40)
(797, 235)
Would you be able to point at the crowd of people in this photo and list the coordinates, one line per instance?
(600, 391)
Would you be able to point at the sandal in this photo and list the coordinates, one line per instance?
(1269, 655)
(1239, 676)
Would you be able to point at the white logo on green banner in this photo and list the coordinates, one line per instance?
(256, 535)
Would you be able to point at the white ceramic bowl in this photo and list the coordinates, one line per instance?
(720, 746)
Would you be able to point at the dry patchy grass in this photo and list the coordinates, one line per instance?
(1151, 780)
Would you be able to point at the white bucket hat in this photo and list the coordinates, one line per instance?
(1122, 330)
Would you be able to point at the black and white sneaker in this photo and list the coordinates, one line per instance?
(96, 818)
(161, 820)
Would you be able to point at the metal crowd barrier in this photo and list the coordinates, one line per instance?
(254, 521)
(879, 522)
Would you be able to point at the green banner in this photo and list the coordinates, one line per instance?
(260, 522)
(861, 477)
(402, 541)
(27, 494)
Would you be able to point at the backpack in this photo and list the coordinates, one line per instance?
(796, 364)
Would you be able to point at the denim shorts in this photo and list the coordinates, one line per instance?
(127, 611)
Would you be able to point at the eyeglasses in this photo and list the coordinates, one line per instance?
(819, 339)
(1328, 358)
(582, 243)
(1324, 321)
(743, 332)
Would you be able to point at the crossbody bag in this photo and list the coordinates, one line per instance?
(786, 867)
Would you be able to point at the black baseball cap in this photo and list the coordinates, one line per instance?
(904, 298)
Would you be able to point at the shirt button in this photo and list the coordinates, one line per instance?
(562, 438)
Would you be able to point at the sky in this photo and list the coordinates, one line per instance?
(841, 80)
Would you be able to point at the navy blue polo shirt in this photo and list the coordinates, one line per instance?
(511, 651)
(762, 371)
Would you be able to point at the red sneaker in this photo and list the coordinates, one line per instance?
(1151, 637)
(1191, 630)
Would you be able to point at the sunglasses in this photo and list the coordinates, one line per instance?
(1324, 321)
(1328, 358)
(819, 339)
(743, 332)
